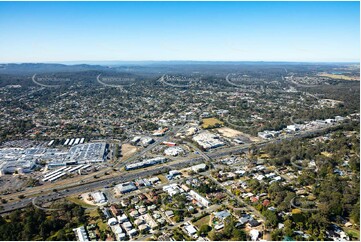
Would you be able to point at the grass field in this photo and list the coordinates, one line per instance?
(342, 77)
(327, 154)
(163, 179)
(74, 199)
(264, 156)
(95, 217)
(200, 222)
(211, 122)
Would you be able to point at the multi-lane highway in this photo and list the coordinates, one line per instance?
(129, 176)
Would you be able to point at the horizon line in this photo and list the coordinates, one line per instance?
(155, 61)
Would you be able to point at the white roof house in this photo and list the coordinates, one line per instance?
(81, 234)
(112, 221)
(199, 198)
(190, 229)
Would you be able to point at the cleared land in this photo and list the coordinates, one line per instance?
(128, 150)
(211, 122)
(81, 202)
(200, 222)
(342, 77)
(228, 132)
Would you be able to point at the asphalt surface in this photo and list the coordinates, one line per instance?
(96, 185)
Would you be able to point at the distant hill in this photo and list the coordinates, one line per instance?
(32, 68)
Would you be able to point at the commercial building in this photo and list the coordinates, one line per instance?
(294, 127)
(170, 144)
(135, 139)
(173, 151)
(200, 167)
(145, 141)
(268, 134)
(146, 163)
(87, 153)
(160, 132)
(208, 140)
(99, 197)
(19, 160)
(125, 187)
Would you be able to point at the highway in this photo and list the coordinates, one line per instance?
(150, 171)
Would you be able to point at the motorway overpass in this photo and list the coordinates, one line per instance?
(150, 171)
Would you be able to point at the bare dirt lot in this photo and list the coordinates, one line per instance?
(128, 150)
(232, 133)
(12, 183)
(228, 132)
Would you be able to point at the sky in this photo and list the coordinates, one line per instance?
(205, 31)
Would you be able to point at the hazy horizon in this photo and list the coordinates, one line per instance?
(105, 62)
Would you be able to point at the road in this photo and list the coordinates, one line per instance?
(175, 225)
(129, 176)
(78, 181)
(151, 146)
(237, 198)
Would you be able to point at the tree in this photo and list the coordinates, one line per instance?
(271, 218)
(239, 235)
(276, 235)
(355, 213)
(204, 229)
(177, 218)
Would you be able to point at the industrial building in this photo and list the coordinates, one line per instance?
(200, 167)
(173, 151)
(294, 127)
(98, 197)
(145, 163)
(125, 187)
(87, 153)
(208, 140)
(268, 134)
(19, 160)
(145, 141)
(160, 132)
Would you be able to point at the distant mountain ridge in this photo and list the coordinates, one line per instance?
(27, 68)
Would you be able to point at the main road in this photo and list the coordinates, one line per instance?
(129, 176)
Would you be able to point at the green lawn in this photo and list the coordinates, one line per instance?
(94, 215)
(355, 233)
(200, 222)
(162, 178)
(80, 202)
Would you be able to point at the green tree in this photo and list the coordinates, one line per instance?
(204, 229)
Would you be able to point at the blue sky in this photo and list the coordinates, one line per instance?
(230, 31)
